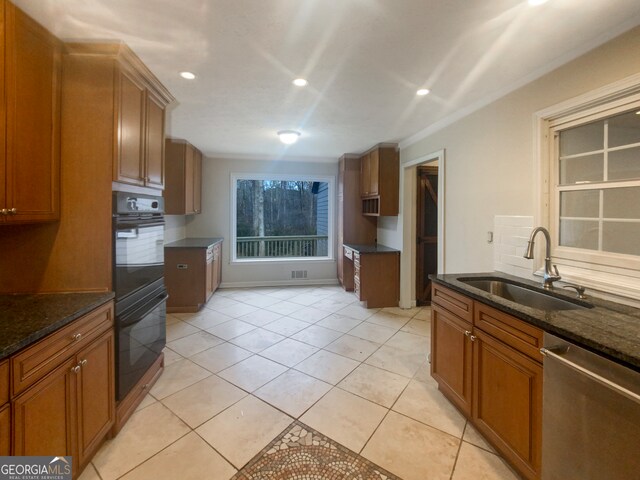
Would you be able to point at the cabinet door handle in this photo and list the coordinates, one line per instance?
(13, 211)
(4, 211)
(467, 332)
(77, 337)
(83, 363)
(75, 369)
(473, 338)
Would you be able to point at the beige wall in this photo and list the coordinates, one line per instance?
(490, 153)
(215, 221)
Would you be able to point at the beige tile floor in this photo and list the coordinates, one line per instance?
(253, 360)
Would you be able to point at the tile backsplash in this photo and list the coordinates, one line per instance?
(175, 228)
(510, 236)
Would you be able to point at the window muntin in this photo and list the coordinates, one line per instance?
(597, 192)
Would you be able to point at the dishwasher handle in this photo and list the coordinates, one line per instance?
(550, 353)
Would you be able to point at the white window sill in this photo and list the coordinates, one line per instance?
(611, 287)
(283, 261)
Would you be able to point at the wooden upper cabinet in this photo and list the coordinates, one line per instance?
(365, 175)
(29, 120)
(129, 167)
(197, 181)
(374, 171)
(140, 159)
(154, 152)
(183, 192)
(379, 177)
(109, 78)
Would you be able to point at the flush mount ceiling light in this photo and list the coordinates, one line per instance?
(188, 75)
(534, 3)
(288, 137)
(300, 82)
(422, 92)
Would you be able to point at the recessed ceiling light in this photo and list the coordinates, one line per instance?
(288, 136)
(188, 75)
(534, 3)
(638, 112)
(300, 82)
(423, 91)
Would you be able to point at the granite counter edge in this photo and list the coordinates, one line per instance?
(56, 324)
(610, 352)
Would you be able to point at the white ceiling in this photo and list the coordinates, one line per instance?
(364, 60)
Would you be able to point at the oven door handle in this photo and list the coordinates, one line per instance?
(139, 223)
(141, 312)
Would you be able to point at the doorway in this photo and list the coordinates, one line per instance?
(426, 232)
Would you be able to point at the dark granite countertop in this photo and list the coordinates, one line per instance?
(371, 248)
(610, 329)
(194, 242)
(24, 319)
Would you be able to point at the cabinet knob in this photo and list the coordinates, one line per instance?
(4, 211)
(83, 363)
(77, 337)
(13, 211)
(467, 332)
(75, 369)
(473, 338)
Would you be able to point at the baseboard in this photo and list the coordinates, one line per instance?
(281, 283)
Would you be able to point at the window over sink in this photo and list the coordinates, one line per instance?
(590, 186)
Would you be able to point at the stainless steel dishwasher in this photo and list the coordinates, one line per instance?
(590, 415)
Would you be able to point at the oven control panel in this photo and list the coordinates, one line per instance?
(124, 202)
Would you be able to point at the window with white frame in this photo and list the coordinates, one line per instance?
(276, 217)
(594, 188)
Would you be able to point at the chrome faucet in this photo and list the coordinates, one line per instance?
(549, 277)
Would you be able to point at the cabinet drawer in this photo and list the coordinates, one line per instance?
(32, 364)
(4, 382)
(348, 253)
(454, 302)
(519, 335)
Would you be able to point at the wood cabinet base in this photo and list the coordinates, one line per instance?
(487, 363)
(128, 406)
(187, 309)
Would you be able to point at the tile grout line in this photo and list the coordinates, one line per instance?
(259, 353)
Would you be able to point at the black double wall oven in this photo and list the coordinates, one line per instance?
(138, 282)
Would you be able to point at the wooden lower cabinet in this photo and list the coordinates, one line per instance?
(44, 417)
(96, 395)
(451, 357)
(507, 402)
(5, 430)
(494, 379)
(69, 410)
(365, 266)
(192, 274)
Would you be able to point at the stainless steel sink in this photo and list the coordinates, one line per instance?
(523, 295)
